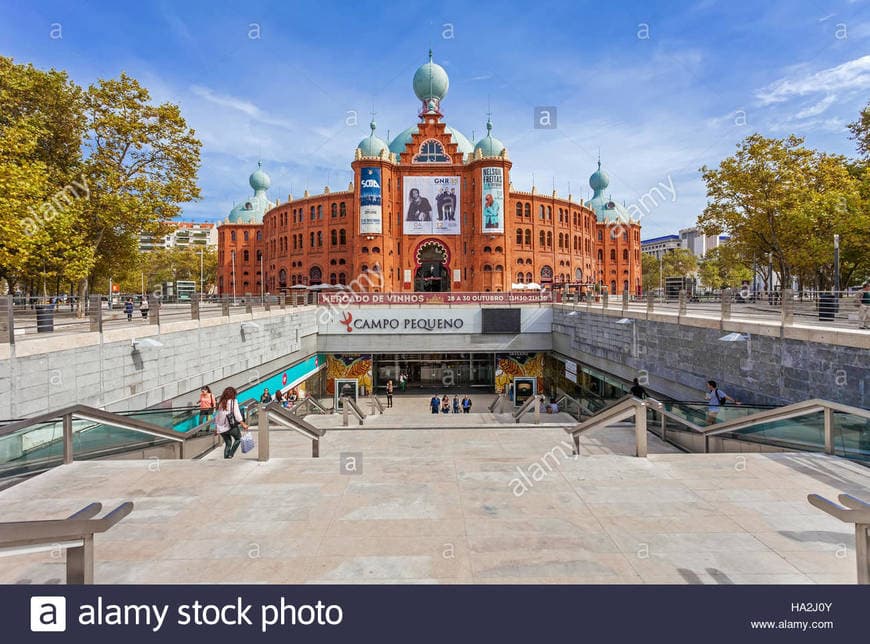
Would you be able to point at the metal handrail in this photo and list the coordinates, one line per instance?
(310, 401)
(625, 408)
(376, 404)
(75, 534)
(276, 412)
(533, 400)
(856, 512)
(495, 403)
(347, 403)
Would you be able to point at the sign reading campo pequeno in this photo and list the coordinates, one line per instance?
(393, 321)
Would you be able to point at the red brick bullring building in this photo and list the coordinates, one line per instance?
(429, 212)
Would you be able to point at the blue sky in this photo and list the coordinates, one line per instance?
(660, 88)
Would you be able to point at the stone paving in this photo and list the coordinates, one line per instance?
(503, 504)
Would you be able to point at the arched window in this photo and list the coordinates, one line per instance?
(499, 249)
(527, 209)
(541, 211)
(549, 213)
(625, 255)
(282, 278)
(612, 286)
(365, 250)
(333, 262)
(520, 277)
(333, 211)
(528, 236)
(312, 213)
(519, 236)
(600, 235)
(560, 234)
(549, 239)
(342, 278)
(528, 278)
(333, 236)
(431, 151)
(246, 256)
(578, 274)
(600, 255)
(333, 279)
(315, 275)
(487, 268)
(529, 261)
(320, 238)
(342, 261)
(519, 209)
(311, 235)
(342, 237)
(520, 261)
(487, 249)
(232, 235)
(612, 254)
(320, 212)
(542, 238)
(376, 250)
(499, 268)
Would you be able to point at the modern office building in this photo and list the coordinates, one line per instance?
(658, 246)
(184, 234)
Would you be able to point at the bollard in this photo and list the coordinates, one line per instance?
(682, 310)
(640, 430)
(650, 302)
(153, 310)
(282, 301)
(604, 298)
(262, 433)
(7, 320)
(787, 307)
(726, 304)
(225, 308)
(538, 400)
(194, 308)
(95, 314)
(248, 306)
(624, 300)
(267, 305)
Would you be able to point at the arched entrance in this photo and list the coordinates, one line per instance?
(433, 267)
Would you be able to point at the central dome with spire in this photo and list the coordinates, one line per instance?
(431, 82)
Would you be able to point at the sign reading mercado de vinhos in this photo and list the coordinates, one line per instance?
(431, 205)
(435, 298)
(370, 207)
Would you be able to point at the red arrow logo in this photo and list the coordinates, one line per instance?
(348, 318)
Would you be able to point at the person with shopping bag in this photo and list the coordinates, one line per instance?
(228, 421)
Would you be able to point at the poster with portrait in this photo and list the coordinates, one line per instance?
(492, 207)
(431, 205)
(370, 208)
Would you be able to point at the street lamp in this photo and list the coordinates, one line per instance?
(836, 265)
(201, 294)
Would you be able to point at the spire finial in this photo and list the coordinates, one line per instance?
(430, 54)
(259, 164)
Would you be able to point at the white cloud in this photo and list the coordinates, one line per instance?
(849, 76)
(816, 108)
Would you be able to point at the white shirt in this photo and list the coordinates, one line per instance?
(221, 423)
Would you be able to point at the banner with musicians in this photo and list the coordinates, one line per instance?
(431, 205)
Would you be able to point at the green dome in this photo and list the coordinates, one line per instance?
(372, 146)
(397, 145)
(605, 208)
(599, 180)
(260, 180)
(431, 81)
(252, 209)
(489, 145)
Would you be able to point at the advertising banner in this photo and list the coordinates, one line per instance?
(493, 200)
(370, 207)
(435, 298)
(431, 205)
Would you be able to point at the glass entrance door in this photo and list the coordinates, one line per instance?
(435, 370)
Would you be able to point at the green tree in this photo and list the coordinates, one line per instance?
(42, 191)
(679, 263)
(142, 161)
(722, 267)
(861, 132)
(780, 200)
(160, 265)
(650, 271)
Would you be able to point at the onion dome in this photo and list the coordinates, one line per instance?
(489, 145)
(372, 146)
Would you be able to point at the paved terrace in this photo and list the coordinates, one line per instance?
(486, 504)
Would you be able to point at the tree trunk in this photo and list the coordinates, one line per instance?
(83, 298)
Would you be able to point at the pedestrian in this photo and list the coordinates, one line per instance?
(228, 420)
(445, 404)
(864, 306)
(403, 382)
(466, 404)
(279, 397)
(389, 393)
(637, 391)
(143, 308)
(266, 398)
(434, 403)
(128, 309)
(206, 403)
(716, 398)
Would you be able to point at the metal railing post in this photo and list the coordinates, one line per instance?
(862, 552)
(7, 320)
(315, 448)
(664, 426)
(538, 400)
(80, 562)
(67, 439)
(605, 296)
(282, 301)
(344, 411)
(194, 308)
(95, 313)
(851, 510)
(624, 301)
(262, 433)
(267, 305)
(829, 430)
(640, 430)
(225, 308)
(726, 304)
(787, 307)
(682, 309)
(650, 302)
(153, 310)
(248, 306)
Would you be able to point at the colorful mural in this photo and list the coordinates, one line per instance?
(511, 365)
(349, 365)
